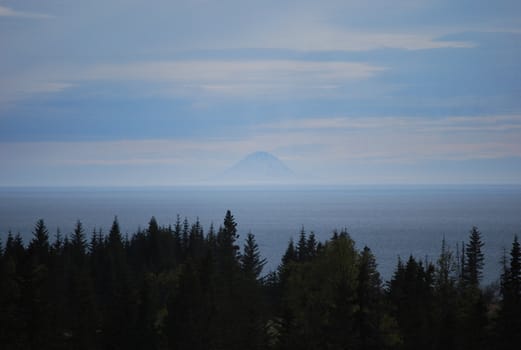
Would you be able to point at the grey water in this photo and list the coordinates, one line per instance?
(391, 220)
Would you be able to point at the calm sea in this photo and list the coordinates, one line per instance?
(392, 221)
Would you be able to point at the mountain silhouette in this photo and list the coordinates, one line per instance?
(258, 168)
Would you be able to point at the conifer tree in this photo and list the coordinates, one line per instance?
(369, 298)
(115, 240)
(185, 234)
(36, 291)
(39, 245)
(251, 261)
(474, 259)
(93, 244)
(119, 301)
(8, 243)
(14, 248)
(290, 254)
(154, 247)
(81, 302)
(79, 241)
(211, 239)
(446, 275)
(412, 297)
(446, 268)
(227, 236)
(12, 319)
(515, 269)
(302, 246)
(58, 242)
(509, 324)
(473, 306)
(311, 245)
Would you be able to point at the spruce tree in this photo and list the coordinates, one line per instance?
(291, 253)
(9, 243)
(184, 235)
(474, 259)
(473, 306)
(509, 323)
(515, 269)
(369, 298)
(79, 241)
(445, 268)
(227, 236)
(115, 240)
(39, 245)
(411, 295)
(311, 245)
(446, 275)
(81, 303)
(119, 303)
(36, 289)
(211, 239)
(154, 248)
(14, 248)
(58, 242)
(302, 246)
(251, 261)
(178, 243)
(12, 319)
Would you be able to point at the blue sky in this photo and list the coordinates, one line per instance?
(126, 92)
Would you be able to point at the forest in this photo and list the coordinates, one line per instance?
(183, 287)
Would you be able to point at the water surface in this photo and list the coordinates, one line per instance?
(392, 220)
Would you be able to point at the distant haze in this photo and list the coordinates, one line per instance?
(172, 93)
(258, 168)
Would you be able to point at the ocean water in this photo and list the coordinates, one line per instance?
(392, 220)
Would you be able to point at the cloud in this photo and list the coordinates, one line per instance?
(239, 77)
(492, 123)
(200, 78)
(313, 26)
(308, 143)
(326, 38)
(13, 89)
(7, 12)
(324, 148)
(398, 139)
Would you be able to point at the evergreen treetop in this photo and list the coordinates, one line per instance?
(474, 259)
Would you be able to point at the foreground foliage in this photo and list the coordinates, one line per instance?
(182, 288)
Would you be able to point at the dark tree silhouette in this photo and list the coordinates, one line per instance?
(251, 260)
(474, 259)
(183, 288)
(510, 314)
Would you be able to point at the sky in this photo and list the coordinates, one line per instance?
(160, 93)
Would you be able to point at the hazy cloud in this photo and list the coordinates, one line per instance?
(8, 12)
(236, 77)
(416, 124)
(232, 78)
(319, 37)
(309, 147)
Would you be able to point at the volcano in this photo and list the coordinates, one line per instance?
(259, 168)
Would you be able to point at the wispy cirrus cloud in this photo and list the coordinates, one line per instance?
(383, 139)
(398, 139)
(8, 12)
(239, 77)
(312, 26)
(196, 78)
(493, 123)
(318, 37)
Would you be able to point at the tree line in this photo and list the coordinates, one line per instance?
(181, 287)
